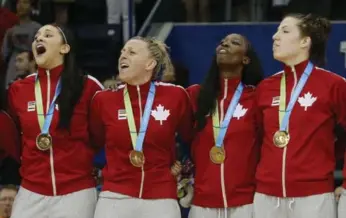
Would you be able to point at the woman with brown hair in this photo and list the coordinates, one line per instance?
(299, 110)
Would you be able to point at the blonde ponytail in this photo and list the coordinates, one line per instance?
(160, 52)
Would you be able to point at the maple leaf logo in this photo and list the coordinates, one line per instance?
(160, 113)
(239, 111)
(307, 100)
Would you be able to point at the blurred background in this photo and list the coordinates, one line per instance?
(191, 28)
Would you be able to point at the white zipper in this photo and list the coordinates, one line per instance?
(140, 122)
(284, 193)
(222, 168)
(51, 153)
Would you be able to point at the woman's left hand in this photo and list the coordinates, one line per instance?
(176, 168)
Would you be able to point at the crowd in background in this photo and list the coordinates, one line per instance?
(29, 15)
(20, 20)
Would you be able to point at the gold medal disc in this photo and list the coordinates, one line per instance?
(217, 155)
(281, 139)
(44, 142)
(137, 158)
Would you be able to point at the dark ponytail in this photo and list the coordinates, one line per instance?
(72, 82)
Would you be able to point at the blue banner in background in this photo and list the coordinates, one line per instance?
(194, 46)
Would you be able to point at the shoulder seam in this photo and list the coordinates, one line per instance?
(160, 83)
(95, 80)
(33, 74)
(277, 73)
(194, 85)
(328, 71)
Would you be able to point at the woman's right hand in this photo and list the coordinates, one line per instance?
(338, 191)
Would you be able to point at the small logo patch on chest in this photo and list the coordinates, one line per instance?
(122, 114)
(276, 101)
(31, 106)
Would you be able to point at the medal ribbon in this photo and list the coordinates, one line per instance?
(220, 131)
(138, 138)
(43, 121)
(284, 114)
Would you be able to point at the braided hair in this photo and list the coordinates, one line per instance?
(160, 52)
(318, 29)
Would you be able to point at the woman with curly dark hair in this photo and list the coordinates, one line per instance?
(225, 149)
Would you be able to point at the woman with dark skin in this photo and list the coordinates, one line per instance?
(225, 165)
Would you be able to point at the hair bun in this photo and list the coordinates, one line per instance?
(320, 23)
(324, 24)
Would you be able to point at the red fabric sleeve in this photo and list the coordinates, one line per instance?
(339, 102)
(9, 18)
(96, 86)
(185, 126)
(9, 136)
(338, 94)
(96, 126)
(193, 94)
(258, 117)
(11, 108)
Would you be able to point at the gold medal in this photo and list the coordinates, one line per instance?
(281, 139)
(137, 158)
(43, 142)
(217, 155)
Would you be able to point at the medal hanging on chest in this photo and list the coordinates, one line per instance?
(217, 153)
(282, 137)
(44, 140)
(136, 156)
